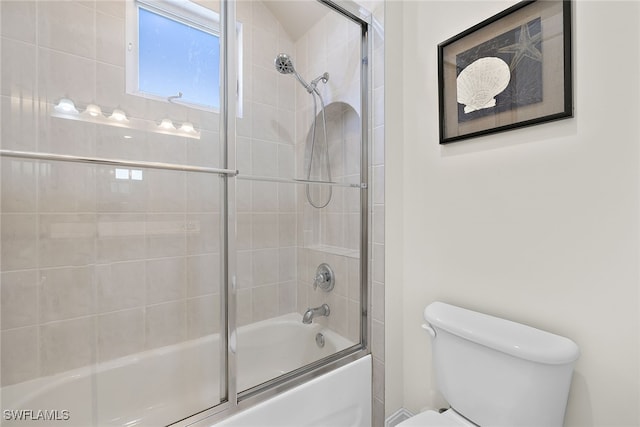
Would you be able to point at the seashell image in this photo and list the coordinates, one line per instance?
(481, 81)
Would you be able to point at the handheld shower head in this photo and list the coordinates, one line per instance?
(284, 64)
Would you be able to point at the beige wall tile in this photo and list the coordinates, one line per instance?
(110, 40)
(62, 136)
(67, 187)
(19, 358)
(265, 266)
(120, 333)
(120, 237)
(63, 75)
(18, 20)
(287, 294)
(166, 235)
(265, 230)
(166, 191)
(203, 274)
(112, 7)
(19, 299)
(265, 302)
(165, 324)
(68, 27)
(18, 186)
(166, 279)
(18, 246)
(19, 67)
(18, 117)
(244, 266)
(203, 233)
(66, 239)
(67, 345)
(203, 192)
(203, 316)
(287, 264)
(66, 293)
(120, 286)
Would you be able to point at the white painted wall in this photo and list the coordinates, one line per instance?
(539, 225)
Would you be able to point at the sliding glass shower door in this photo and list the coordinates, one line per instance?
(299, 141)
(112, 213)
(184, 205)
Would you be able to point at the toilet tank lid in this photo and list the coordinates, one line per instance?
(515, 339)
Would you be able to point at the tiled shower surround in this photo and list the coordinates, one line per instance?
(95, 266)
(97, 262)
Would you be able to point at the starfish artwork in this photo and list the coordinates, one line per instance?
(520, 49)
(525, 47)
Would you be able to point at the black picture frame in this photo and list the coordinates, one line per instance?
(532, 39)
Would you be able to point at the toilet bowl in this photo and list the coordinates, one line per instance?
(495, 372)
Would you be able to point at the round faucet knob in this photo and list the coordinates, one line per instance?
(325, 279)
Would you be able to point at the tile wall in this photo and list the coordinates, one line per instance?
(331, 234)
(267, 235)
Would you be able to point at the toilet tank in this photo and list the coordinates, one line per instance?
(496, 372)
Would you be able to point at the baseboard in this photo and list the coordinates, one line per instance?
(397, 417)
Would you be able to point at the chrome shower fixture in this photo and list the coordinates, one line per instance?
(284, 65)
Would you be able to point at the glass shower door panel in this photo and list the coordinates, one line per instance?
(275, 287)
(300, 122)
(111, 270)
(111, 304)
(159, 272)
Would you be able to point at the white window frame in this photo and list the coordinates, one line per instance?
(182, 11)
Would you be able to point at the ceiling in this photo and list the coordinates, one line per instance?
(297, 16)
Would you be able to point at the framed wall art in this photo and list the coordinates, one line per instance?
(509, 71)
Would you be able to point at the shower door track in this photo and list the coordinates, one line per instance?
(116, 162)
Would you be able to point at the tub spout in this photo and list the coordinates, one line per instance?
(308, 316)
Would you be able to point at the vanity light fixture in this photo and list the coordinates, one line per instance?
(65, 108)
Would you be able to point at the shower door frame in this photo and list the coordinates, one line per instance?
(233, 400)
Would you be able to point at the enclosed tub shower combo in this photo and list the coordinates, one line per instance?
(185, 212)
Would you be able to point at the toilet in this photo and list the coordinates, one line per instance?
(495, 372)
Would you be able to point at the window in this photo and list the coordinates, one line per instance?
(173, 52)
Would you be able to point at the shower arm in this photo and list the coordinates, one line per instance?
(324, 78)
(306, 85)
(313, 86)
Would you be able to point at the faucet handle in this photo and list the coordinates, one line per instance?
(325, 278)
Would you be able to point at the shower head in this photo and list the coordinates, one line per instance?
(284, 64)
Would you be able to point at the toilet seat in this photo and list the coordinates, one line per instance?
(448, 418)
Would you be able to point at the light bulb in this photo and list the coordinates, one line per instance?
(65, 105)
(119, 116)
(93, 110)
(167, 124)
(187, 127)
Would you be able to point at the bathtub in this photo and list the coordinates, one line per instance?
(340, 398)
(164, 385)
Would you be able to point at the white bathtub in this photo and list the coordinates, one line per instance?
(164, 385)
(340, 398)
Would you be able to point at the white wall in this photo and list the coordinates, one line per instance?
(539, 225)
